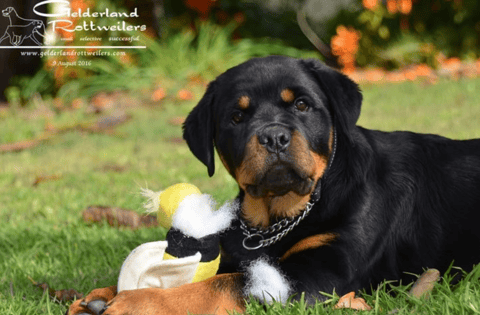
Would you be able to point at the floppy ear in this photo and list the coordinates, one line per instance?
(198, 130)
(343, 94)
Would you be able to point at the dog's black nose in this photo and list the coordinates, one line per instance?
(275, 139)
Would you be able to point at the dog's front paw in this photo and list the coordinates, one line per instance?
(94, 303)
(135, 302)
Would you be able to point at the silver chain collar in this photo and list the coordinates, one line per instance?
(257, 236)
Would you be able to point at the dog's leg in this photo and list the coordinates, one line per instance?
(35, 40)
(218, 295)
(20, 40)
(4, 35)
(94, 302)
(14, 39)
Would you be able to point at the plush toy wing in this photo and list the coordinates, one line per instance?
(146, 267)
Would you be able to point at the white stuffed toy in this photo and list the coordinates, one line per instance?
(191, 251)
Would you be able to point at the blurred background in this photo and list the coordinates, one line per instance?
(195, 40)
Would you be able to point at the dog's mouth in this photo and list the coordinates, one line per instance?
(279, 180)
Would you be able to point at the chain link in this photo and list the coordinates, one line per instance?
(286, 224)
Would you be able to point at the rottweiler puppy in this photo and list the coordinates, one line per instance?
(325, 204)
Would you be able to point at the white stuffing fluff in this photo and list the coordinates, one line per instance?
(196, 216)
(266, 282)
(153, 201)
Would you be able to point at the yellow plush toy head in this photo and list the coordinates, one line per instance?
(194, 225)
(170, 199)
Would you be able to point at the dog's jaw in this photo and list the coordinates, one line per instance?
(279, 180)
(278, 186)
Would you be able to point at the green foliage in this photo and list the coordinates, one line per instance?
(393, 39)
(452, 26)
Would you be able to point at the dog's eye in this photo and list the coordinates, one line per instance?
(301, 105)
(237, 117)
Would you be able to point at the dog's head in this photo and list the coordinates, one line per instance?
(272, 122)
(38, 26)
(7, 11)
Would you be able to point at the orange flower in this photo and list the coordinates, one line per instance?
(424, 70)
(65, 28)
(126, 59)
(51, 63)
(158, 95)
(370, 4)
(58, 74)
(93, 49)
(71, 55)
(185, 95)
(452, 64)
(392, 6)
(345, 46)
(76, 5)
(410, 74)
(203, 7)
(405, 6)
(239, 17)
(66, 35)
(77, 103)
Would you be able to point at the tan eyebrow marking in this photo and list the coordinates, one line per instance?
(244, 102)
(287, 95)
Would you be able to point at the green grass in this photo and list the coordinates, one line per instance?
(42, 235)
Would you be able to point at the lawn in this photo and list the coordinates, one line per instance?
(44, 238)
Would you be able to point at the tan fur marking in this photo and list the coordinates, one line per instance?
(252, 164)
(330, 140)
(288, 205)
(287, 95)
(255, 211)
(321, 163)
(300, 150)
(244, 102)
(310, 242)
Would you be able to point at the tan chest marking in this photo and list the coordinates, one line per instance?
(310, 242)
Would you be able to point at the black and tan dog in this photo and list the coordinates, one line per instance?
(325, 205)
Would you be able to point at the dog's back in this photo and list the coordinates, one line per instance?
(433, 186)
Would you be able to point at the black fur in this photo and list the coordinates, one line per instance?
(398, 201)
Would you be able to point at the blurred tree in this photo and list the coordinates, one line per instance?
(255, 19)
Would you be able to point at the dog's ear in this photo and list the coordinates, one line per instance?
(344, 96)
(198, 130)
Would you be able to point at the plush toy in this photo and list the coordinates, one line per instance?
(191, 250)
